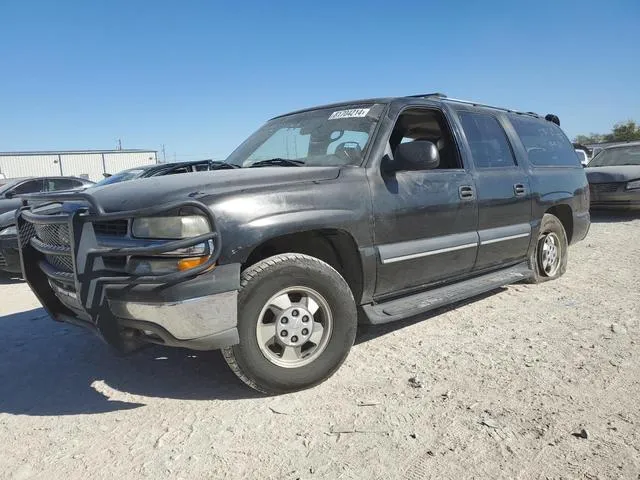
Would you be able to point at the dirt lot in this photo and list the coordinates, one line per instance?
(506, 382)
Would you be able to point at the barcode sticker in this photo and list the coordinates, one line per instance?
(351, 113)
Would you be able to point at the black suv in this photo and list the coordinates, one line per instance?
(375, 210)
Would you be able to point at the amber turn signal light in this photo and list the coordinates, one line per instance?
(189, 263)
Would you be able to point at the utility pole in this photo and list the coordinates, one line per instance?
(164, 154)
(119, 144)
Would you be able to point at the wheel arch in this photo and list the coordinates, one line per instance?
(335, 247)
(564, 213)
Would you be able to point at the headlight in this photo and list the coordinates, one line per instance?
(170, 228)
(633, 184)
(12, 230)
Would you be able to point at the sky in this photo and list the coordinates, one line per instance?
(199, 76)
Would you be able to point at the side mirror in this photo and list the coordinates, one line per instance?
(416, 155)
(9, 195)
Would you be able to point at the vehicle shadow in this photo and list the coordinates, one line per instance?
(368, 332)
(49, 368)
(609, 216)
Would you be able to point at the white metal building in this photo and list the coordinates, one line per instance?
(89, 164)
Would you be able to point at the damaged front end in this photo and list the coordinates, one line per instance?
(121, 275)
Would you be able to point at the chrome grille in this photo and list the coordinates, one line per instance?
(113, 227)
(604, 187)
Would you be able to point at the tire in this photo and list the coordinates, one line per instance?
(278, 365)
(550, 228)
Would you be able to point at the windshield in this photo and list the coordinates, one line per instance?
(617, 156)
(124, 176)
(318, 138)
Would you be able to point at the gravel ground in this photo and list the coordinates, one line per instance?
(505, 386)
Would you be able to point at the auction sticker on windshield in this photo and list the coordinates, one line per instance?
(351, 113)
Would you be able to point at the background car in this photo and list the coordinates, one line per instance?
(614, 177)
(163, 169)
(583, 156)
(9, 258)
(19, 186)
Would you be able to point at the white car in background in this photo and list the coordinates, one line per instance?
(583, 156)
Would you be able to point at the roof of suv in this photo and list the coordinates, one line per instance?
(438, 97)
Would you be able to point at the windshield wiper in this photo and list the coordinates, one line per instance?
(218, 165)
(280, 162)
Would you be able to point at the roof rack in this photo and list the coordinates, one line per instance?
(471, 102)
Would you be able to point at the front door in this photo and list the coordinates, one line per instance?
(503, 191)
(424, 221)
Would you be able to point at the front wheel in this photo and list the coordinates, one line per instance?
(549, 259)
(297, 321)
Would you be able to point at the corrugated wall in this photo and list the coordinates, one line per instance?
(81, 164)
(89, 164)
(114, 162)
(29, 166)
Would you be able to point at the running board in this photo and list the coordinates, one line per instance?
(423, 302)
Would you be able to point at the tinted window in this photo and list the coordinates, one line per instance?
(202, 167)
(32, 186)
(488, 142)
(53, 184)
(176, 171)
(545, 143)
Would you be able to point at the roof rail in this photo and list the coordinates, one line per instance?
(471, 102)
(425, 95)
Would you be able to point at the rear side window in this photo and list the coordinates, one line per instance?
(545, 143)
(53, 184)
(488, 142)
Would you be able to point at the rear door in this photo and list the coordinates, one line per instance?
(503, 190)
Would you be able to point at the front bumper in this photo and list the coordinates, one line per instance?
(617, 199)
(9, 254)
(196, 308)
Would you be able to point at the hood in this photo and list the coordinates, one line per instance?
(147, 192)
(9, 204)
(616, 173)
(7, 218)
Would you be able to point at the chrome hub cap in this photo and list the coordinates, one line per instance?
(549, 254)
(294, 327)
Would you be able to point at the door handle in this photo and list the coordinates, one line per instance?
(519, 189)
(466, 192)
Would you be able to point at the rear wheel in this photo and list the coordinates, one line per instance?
(549, 259)
(296, 321)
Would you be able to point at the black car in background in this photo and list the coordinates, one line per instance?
(10, 188)
(19, 186)
(9, 258)
(614, 177)
(163, 169)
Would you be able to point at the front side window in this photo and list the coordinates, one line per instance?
(423, 124)
(487, 140)
(32, 186)
(317, 138)
(545, 143)
(617, 156)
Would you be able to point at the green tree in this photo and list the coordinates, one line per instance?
(621, 132)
